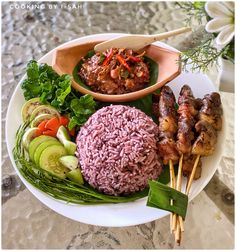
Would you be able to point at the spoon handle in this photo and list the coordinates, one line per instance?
(168, 34)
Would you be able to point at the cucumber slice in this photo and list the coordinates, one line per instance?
(41, 117)
(76, 176)
(29, 107)
(70, 162)
(64, 137)
(29, 135)
(70, 147)
(36, 142)
(62, 134)
(49, 160)
(42, 147)
(44, 109)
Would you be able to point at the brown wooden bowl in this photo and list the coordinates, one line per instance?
(65, 60)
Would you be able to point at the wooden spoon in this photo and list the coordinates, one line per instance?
(137, 42)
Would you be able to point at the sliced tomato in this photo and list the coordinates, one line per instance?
(41, 126)
(53, 124)
(50, 133)
(38, 133)
(64, 121)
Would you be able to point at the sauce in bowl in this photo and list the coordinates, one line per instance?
(116, 71)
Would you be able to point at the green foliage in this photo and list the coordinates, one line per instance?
(160, 195)
(82, 109)
(42, 81)
(193, 11)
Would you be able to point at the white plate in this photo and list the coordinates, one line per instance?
(125, 214)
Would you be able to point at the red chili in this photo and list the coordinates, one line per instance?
(134, 59)
(108, 57)
(123, 62)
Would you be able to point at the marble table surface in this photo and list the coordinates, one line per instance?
(30, 32)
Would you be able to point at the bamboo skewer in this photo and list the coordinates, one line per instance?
(190, 180)
(172, 185)
(178, 187)
(179, 220)
(180, 224)
(178, 233)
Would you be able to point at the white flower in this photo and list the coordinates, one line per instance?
(222, 22)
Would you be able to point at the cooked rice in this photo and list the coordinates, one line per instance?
(117, 150)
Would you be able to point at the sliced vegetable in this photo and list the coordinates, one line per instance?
(64, 137)
(53, 124)
(108, 57)
(49, 160)
(76, 176)
(29, 107)
(134, 59)
(62, 134)
(41, 126)
(29, 135)
(123, 62)
(70, 147)
(44, 109)
(38, 133)
(50, 133)
(64, 121)
(40, 118)
(36, 142)
(71, 162)
(41, 147)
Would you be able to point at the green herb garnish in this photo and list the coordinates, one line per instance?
(124, 74)
(43, 82)
(102, 58)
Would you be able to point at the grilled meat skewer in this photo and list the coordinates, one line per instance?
(210, 121)
(186, 120)
(187, 111)
(167, 126)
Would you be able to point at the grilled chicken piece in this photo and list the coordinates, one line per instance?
(210, 120)
(167, 126)
(167, 103)
(167, 150)
(188, 164)
(187, 114)
(211, 110)
(205, 142)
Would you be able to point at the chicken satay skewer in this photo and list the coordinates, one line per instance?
(186, 120)
(168, 129)
(156, 107)
(210, 121)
